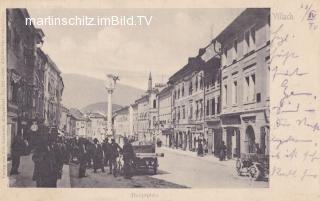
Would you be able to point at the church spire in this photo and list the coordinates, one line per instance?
(150, 82)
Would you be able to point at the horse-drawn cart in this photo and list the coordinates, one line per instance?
(253, 165)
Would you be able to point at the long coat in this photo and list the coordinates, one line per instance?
(97, 153)
(46, 168)
(107, 149)
(115, 150)
(18, 146)
(83, 159)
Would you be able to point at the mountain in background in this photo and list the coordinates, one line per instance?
(100, 107)
(81, 91)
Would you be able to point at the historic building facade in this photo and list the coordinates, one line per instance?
(147, 113)
(212, 123)
(188, 104)
(53, 93)
(63, 120)
(245, 82)
(98, 125)
(123, 123)
(25, 74)
(135, 120)
(71, 126)
(164, 99)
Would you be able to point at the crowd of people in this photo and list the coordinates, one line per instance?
(50, 151)
(98, 155)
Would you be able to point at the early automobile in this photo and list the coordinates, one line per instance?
(146, 158)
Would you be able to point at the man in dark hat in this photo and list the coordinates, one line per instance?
(83, 157)
(106, 147)
(128, 155)
(18, 147)
(97, 156)
(115, 148)
(45, 165)
(33, 133)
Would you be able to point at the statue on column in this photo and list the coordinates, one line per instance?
(110, 86)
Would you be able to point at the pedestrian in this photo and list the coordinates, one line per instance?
(97, 156)
(67, 153)
(90, 148)
(115, 149)
(33, 134)
(18, 148)
(83, 158)
(58, 149)
(106, 146)
(205, 146)
(128, 156)
(75, 149)
(200, 148)
(45, 172)
(55, 156)
(223, 151)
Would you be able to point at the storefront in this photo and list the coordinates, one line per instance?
(194, 135)
(12, 129)
(167, 137)
(245, 133)
(214, 136)
(231, 135)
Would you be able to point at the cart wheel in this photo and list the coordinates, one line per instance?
(238, 167)
(254, 172)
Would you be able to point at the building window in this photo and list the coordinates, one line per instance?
(154, 121)
(178, 113)
(207, 107)
(190, 88)
(249, 88)
(250, 40)
(183, 112)
(197, 110)
(201, 82)
(154, 103)
(191, 111)
(201, 109)
(252, 87)
(225, 95)
(178, 93)
(219, 105)
(234, 92)
(182, 90)
(14, 93)
(197, 83)
(213, 106)
(235, 50)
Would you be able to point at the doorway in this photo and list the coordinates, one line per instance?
(250, 139)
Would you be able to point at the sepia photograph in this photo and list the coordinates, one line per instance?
(138, 97)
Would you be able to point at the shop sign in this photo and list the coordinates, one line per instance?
(231, 120)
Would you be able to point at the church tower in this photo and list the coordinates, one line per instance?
(150, 83)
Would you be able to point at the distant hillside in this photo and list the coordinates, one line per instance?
(99, 107)
(80, 91)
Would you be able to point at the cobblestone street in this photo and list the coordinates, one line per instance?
(189, 171)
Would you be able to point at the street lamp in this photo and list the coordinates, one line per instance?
(110, 86)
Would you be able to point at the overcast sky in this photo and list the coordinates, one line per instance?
(132, 52)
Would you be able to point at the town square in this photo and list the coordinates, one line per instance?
(96, 108)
